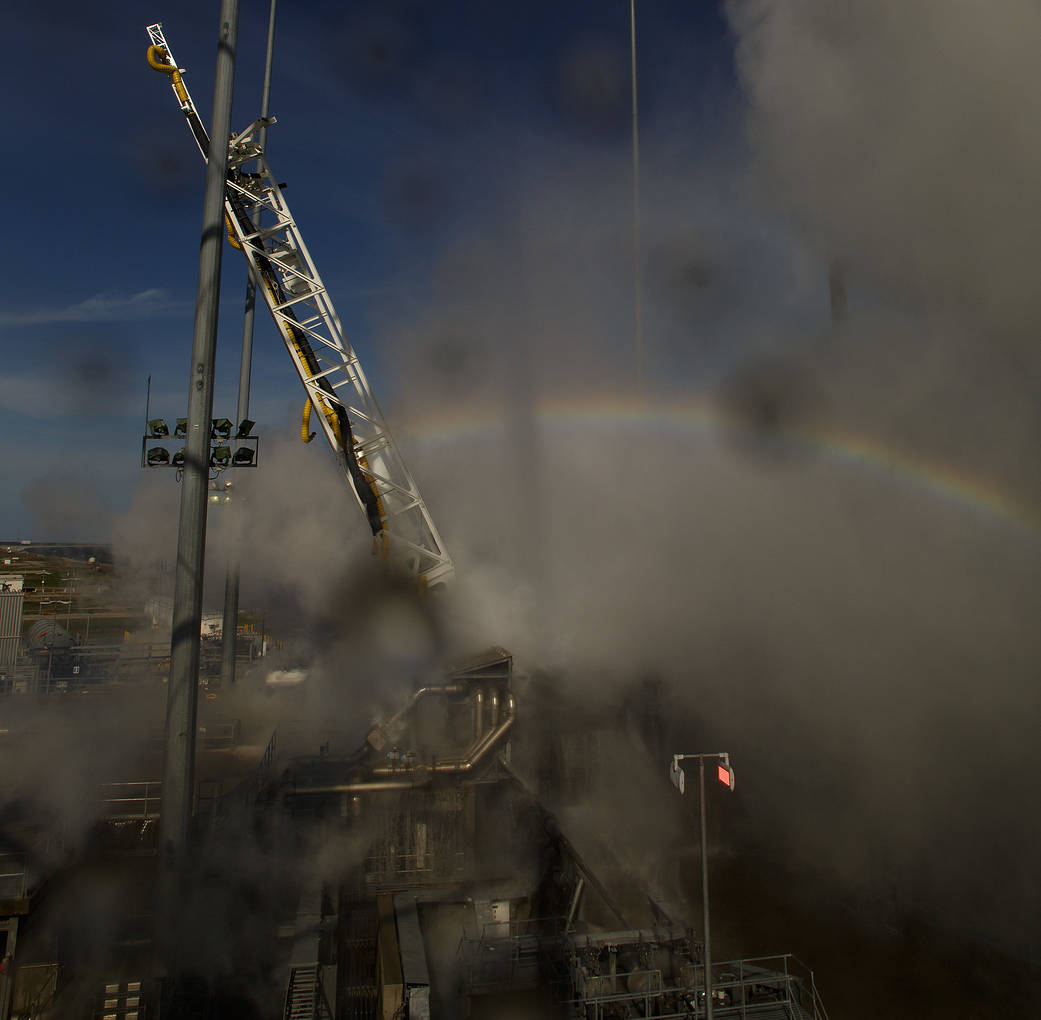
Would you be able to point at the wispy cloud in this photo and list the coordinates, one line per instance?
(28, 395)
(105, 307)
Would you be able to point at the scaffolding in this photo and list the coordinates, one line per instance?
(655, 972)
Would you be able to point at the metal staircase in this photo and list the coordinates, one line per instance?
(305, 999)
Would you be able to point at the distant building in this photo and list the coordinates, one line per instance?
(10, 618)
(160, 613)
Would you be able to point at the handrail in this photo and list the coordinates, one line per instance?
(752, 986)
(21, 876)
(148, 800)
(819, 1012)
(45, 993)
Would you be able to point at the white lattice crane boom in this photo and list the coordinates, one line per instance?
(261, 225)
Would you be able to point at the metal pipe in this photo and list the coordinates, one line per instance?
(183, 686)
(230, 625)
(495, 709)
(579, 886)
(418, 695)
(382, 733)
(478, 714)
(474, 756)
(265, 96)
(231, 579)
(704, 892)
(637, 253)
(425, 692)
(366, 787)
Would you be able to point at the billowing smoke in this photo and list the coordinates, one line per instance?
(899, 140)
(819, 539)
(902, 137)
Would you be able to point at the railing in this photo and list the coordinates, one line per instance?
(602, 995)
(267, 762)
(305, 995)
(208, 795)
(219, 736)
(132, 801)
(215, 807)
(818, 1012)
(37, 987)
(22, 871)
(140, 800)
(514, 953)
(14, 876)
(401, 868)
(762, 988)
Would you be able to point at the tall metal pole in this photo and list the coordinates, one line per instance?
(231, 582)
(637, 255)
(183, 688)
(704, 892)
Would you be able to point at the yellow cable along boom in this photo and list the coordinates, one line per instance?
(261, 226)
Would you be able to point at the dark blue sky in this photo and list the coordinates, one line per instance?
(403, 128)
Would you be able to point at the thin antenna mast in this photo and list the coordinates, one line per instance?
(637, 254)
(230, 626)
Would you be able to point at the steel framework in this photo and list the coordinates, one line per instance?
(261, 225)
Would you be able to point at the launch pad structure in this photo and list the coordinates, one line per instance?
(424, 875)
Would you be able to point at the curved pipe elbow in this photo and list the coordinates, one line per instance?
(424, 692)
(157, 60)
(483, 746)
(163, 66)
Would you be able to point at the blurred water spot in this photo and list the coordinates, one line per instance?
(95, 368)
(375, 49)
(416, 198)
(590, 85)
(452, 94)
(167, 168)
(765, 404)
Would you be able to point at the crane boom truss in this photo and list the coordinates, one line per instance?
(261, 225)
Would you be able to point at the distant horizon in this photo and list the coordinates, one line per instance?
(92, 547)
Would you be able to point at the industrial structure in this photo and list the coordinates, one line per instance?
(426, 874)
(261, 226)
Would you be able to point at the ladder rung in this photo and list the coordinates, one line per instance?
(266, 232)
(298, 299)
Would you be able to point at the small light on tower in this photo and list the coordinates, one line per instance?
(725, 773)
